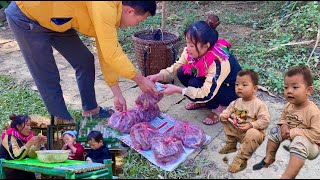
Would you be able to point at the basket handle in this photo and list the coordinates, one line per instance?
(146, 50)
(174, 52)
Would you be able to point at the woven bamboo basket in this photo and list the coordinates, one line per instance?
(155, 50)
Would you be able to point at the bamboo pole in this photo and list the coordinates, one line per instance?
(163, 18)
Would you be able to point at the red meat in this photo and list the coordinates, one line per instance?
(166, 149)
(141, 135)
(191, 135)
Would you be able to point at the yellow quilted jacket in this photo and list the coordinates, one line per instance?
(99, 19)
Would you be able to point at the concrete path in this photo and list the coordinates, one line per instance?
(12, 64)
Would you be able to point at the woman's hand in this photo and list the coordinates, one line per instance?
(155, 77)
(42, 139)
(171, 89)
(35, 140)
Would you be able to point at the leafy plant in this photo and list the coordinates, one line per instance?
(301, 25)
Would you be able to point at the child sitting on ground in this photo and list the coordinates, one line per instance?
(98, 151)
(77, 150)
(244, 121)
(299, 123)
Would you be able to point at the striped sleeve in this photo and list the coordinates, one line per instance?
(217, 73)
(15, 149)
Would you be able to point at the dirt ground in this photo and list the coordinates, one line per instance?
(12, 64)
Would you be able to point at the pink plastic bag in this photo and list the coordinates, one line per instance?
(122, 121)
(145, 99)
(191, 135)
(137, 114)
(150, 113)
(166, 149)
(141, 135)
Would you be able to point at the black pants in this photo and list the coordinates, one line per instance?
(224, 96)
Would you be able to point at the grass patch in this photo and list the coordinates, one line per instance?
(138, 167)
(17, 99)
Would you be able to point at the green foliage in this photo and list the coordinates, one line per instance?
(4, 4)
(301, 24)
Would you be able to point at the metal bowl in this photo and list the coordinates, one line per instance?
(53, 156)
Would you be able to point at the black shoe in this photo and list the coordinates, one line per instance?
(260, 165)
(103, 113)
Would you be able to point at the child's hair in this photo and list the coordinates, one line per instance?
(253, 75)
(18, 120)
(303, 70)
(71, 133)
(96, 135)
(203, 31)
(142, 7)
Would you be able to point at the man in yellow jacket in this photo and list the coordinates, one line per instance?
(40, 25)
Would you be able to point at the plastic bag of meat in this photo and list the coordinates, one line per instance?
(137, 113)
(122, 121)
(141, 135)
(146, 99)
(150, 113)
(166, 149)
(191, 135)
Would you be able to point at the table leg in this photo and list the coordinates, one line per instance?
(49, 137)
(2, 173)
(109, 163)
(70, 175)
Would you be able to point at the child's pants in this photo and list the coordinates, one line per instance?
(300, 145)
(249, 140)
(36, 44)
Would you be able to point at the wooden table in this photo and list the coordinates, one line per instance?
(71, 169)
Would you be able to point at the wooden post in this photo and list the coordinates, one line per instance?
(163, 19)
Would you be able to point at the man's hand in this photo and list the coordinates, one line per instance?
(171, 89)
(155, 77)
(118, 100)
(285, 131)
(120, 103)
(145, 84)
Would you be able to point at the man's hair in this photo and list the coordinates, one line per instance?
(253, 75)
(96, 135)
(303, 70)
(142, 7)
